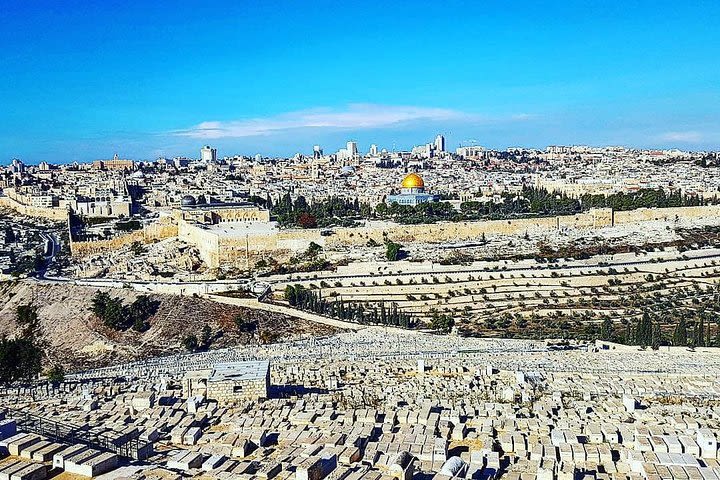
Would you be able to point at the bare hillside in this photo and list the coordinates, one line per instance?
(76, 338)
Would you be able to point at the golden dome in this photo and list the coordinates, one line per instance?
(413, 180)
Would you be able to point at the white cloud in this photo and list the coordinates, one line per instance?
(354, 116)
(687, 137)
(521, 117)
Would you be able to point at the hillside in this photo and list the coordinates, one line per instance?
(74, 337)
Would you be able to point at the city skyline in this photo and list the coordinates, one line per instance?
(150, 80)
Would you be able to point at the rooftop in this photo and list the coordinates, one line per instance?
(239, 371)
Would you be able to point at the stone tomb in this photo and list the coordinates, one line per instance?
(229, 383)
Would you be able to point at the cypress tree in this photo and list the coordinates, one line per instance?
(656, 336)
(606, 329)
(680, 334)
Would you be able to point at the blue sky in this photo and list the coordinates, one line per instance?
(83, 80)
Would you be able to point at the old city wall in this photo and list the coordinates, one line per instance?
(439, 232)
(206, 241)
(279, 246)
(216, 250)
(467, 231)
(149, 234)
(56, 214)
(595, 218)
(667, 214)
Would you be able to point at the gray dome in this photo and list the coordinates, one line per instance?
(188, 201)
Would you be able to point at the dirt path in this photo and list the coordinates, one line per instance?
(312, 317)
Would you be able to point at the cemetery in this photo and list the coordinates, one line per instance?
(375, 404)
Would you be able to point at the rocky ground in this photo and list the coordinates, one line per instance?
(74, 337)
(169, 259)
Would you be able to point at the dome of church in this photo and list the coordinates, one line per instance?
(413, 180)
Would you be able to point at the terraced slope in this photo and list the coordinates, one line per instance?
(529, 298)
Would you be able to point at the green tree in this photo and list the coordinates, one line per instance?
(606, 329)
(392, 250)
(109, 309)
(643, 331)
(699, 332)
(98, 303)
(20, 359)
(441, 323)
(656, 336)
(680, 336)
(9, 235)
(313, 250)
(56, 374)
(291, 295)
(190, 342)
(27, 319)
(205, 336)
(140, 311)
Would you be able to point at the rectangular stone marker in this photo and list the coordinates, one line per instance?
(33, 471)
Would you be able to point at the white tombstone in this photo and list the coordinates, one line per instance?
(629, 403)
(508, 394)
(707, 443)
(191, 405)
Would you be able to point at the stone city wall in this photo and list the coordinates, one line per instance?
(148, 234)
(595, 218)
(240, 250)
(438, 232)
(205, 241)
(56, 214)
(216, 249)
(667, 214)
(467, 231)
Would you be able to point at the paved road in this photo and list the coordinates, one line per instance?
(49, 256)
